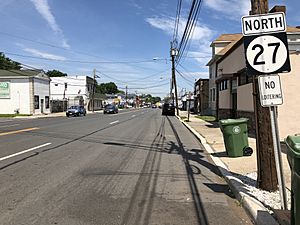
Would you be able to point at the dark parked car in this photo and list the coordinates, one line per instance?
(168, 109)
(110, 109)
(76, 110)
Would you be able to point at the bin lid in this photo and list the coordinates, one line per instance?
(293, 142)
(233, 121)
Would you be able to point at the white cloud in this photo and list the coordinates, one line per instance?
(201, 32)
(43, 8)
(232, 9)
(45, 55)
(200, 41)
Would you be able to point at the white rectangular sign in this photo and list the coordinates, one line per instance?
(263, 24)
(4, 89)
(270, 90)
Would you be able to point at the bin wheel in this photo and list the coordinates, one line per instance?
(247, 151)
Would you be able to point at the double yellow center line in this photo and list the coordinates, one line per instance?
(19, 131)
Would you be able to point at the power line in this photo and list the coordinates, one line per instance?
(47, 44)
(190, 26)
(186, 80)
(80, 61)
(186, 70)
(148, 87)
(175, 34)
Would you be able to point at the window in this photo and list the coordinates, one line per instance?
(223, 85)
(244, 79)
(36, 102)
(47, 102)
(214, 94)
(210, 72)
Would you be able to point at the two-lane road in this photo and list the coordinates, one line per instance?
(135, 167)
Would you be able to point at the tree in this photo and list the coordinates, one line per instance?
(8, 64)
(108, 88)
(56, 73)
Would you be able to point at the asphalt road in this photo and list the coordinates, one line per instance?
(135, 167)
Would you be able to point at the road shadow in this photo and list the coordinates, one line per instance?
(241, 182)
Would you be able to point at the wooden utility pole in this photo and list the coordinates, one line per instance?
(173, 53)
(266, 167)
(94, 86)
(126, 93)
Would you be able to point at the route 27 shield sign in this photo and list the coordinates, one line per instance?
(265, 43)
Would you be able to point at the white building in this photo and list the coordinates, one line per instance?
(75, 89)
(24, 92)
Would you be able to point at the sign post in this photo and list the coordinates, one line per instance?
(271, 96)
(266, 50)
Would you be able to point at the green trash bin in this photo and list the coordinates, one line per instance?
(293, 155)
(235, 134)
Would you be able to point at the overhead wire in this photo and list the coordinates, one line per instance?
(47, 44)
(188, 43)
(80, 61)
(190, 26)
(186, 80)
(148, 87)
(175, 33)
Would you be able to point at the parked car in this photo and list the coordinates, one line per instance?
(110, 108)
(76, 110)
(168, 109)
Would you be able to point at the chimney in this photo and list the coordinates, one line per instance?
(278, 8)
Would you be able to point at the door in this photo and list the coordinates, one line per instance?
(42, 105)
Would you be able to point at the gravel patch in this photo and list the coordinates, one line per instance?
(271, 200)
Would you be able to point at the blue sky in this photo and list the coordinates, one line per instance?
(119, 38)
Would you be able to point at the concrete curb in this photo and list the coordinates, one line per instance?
(258, 213)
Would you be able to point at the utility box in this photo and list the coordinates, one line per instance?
(293, 154)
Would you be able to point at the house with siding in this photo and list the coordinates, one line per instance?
(76, 90)
(219, 46)
(24, 92)
(201, 97)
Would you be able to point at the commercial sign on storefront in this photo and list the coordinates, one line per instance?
(4, 90)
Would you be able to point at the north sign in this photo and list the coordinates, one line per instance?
(263, 24)
(265, 43)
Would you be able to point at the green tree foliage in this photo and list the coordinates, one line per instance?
(8, 64)
(108, 88)
(56, 73)
(150, 99)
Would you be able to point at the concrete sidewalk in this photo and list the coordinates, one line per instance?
(236, 169)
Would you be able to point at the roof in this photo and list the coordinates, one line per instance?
(233, 38)
(229, 46)
(292, 29)
(227, 38)
(22, 73)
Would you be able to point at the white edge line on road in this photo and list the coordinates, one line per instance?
(13, 125)
(133, 116)
(22, 152)
(117, 121)
(3, 121)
